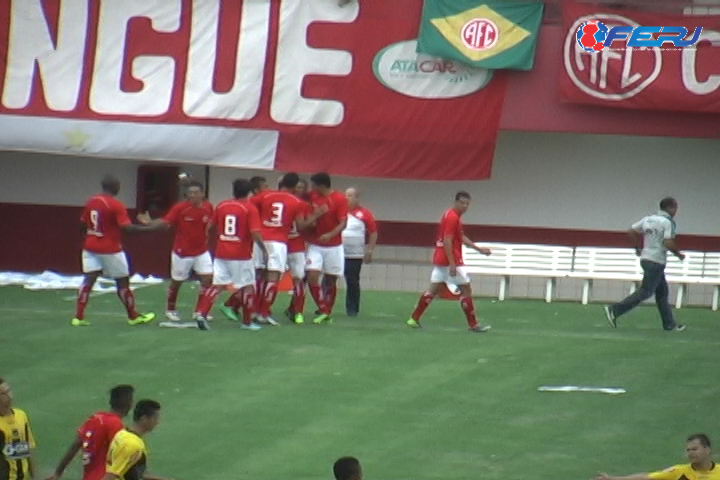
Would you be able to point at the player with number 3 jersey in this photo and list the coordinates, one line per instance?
(280, 212)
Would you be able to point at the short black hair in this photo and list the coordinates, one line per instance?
(241, 188)
(462, 194)
(700, 437)
(256, 182)
(322, 179)
(667, 202)
(196, 184)
(121, 396)
(145, 408)
(346, 468)
(289, 180)
(109, 181)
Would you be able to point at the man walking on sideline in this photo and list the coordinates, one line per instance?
(448, 265)
(360, 228)
(657, 233)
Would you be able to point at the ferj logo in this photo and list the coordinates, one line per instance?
(401, 69)
(594, 36)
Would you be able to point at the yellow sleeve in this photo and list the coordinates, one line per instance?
(122, 456)
(672, 473)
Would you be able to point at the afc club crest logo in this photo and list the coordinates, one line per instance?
(591, 36)
(480, 34)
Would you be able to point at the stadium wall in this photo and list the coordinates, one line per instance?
(546, 188)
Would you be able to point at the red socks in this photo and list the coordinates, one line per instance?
(128, 299)
(172, 295)
(82, 300)
(315, 292)
(297, 304)
(469, 309)
(201, 293)
(268, 298)
(205, 303)
(248, 306)
(422, 305)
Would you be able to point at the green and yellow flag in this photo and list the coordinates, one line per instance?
(491, 34)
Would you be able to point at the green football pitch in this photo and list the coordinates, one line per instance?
(435, 403)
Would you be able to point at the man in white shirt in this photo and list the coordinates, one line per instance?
(360, 229)
(653, 237)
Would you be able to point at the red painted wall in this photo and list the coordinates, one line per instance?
(49, 238)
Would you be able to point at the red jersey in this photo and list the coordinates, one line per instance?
(450, 226)
(235, 220)
(96, 434)
(278, 212)
(296, 239)
(190, 224)
(337, 212)
(104, 216)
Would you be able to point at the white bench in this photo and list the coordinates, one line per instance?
(711, 276)
(602, 263)
(508, 260)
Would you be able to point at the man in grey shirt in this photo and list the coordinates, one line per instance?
(657, 233)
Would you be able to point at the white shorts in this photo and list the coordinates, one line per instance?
(258, 257)
(180, 267)
(296, 264)
(238, 273)
(113, 265)
(328, 260)
(442, 275)
(277, 256)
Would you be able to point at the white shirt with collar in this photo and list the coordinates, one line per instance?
(655, 229)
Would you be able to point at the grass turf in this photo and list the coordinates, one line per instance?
(435, 403)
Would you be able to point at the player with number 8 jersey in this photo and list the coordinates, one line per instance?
(237, 224)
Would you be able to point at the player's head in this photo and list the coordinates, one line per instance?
(462, 201)
(5, 395)
(697, 448)
(121, 399)
(195, 192)
(258, 184)
(669, 205)
(353, 197)
(146, 415)
(241, 188)
(110, 184)
(301, 188)
(289, 181)
(347, 468)
(320, 182)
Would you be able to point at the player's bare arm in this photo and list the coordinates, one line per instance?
(637, 476)
(334, 232)
(66, 459)
(145, 219)
(469, 243)
(635, 240)
(303, 223)
(671, 245)
(257, 238)
(372, 241)
(132, 228)
(447, 247)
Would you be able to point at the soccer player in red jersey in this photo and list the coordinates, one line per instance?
(325, 251)
(103, 218)
(297, 259)
(448, 264)
(230, 308)
(237, 224)
(190, 219)
(95, 435)
(280, 212)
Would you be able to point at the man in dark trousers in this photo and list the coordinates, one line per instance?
(652, 237)
(359, 239)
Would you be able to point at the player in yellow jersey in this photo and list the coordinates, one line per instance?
(701, 466)
(127, 456)
(16, 439)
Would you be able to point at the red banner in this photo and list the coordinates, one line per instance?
(300, 85)
(659, 78)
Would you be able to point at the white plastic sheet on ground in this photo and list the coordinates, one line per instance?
(54, 281)
(573, 388)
